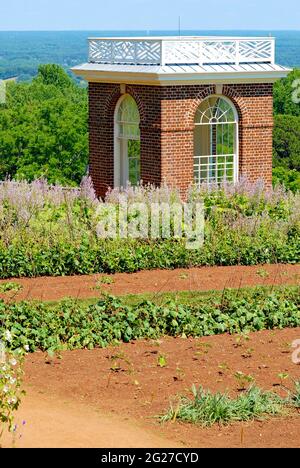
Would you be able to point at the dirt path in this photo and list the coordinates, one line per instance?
(115, 393)
(197, 279)
(52, 422)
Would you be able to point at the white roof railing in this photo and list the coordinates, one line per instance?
(181, 50)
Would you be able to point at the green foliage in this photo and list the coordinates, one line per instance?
(44, 129)
(9, 286)
(287, 141)
(283, 92)
(11, 373)
(289, 177)
(286, 137)
(52, 232)
(73, 324)
(52, 74)
(207, 408)
(294, 397)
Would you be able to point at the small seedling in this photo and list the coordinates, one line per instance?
(10, 287)
(104, 280)
(183, 276)
(161, 360)
(262, 273)
(282, 376)
(52, 354)
(243, 379)
(116, 362)
(204, 347)
(180, 374)
(286, 348)
(241, 338)
(248, 353)
(223, 367)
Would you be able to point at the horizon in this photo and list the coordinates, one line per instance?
(150, 30)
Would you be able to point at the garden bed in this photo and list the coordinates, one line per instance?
(126, 382)
(153, 282)
(49, 231)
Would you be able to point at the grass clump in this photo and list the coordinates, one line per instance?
(294, 397)
(207, 408)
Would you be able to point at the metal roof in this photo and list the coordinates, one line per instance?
(176, 69)
(181, 74)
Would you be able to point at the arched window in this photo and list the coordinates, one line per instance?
(127, 142)
(216, 141)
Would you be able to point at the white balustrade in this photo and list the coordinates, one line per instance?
(183, 50)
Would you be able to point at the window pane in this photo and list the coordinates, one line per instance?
(134, 161)
(214, 141)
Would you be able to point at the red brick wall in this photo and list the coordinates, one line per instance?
(255, 105)
(167, 122)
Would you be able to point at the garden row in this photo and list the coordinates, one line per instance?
(73, 324)
(46, 230)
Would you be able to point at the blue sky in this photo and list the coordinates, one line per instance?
(149, 14)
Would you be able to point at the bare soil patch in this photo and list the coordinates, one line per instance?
(193, 279)
(126, 385)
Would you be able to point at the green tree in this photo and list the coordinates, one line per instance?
(285, 91)
(287, 141)
(286, 138)
(43, 129)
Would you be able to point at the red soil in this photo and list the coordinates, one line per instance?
(197, 279)
(110, 397)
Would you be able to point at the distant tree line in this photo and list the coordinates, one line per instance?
(43, 129)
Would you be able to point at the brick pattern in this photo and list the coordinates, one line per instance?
(167, 124)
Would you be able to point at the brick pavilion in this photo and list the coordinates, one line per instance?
(180, 110)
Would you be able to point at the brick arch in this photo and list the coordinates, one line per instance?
(110, 104)
(113, 98)
(228, 92)
(238, 102)
(139, 101)
(205, 92)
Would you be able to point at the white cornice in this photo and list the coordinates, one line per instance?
(172, 79)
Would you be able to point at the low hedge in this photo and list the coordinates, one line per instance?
(127, 255)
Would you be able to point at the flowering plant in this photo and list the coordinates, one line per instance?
(11, 372)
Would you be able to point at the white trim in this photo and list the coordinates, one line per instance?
(168, 79)
(118, 142)
(236, 135)
(117, 151)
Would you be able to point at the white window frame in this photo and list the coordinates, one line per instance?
(235, 155)
(121, 174)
